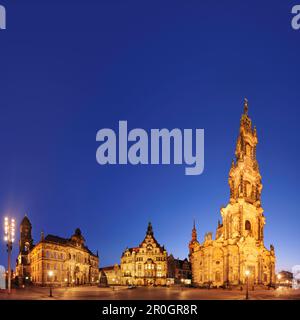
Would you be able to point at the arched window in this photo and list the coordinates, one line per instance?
(247, 225)
(248, 150)
(248, 189)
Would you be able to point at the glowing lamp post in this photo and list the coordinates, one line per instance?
(278, 277)
(50, 274)
(9, 238)
(247, 273)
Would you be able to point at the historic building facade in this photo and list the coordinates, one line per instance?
(25, 246)
(239, 243)
(145, 264)
(111, 275)
(55, 260)
(179, 271)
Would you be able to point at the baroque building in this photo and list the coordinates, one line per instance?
(55, 260)
(145, 264)
(239, 243)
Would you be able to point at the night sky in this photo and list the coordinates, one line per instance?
(70, 68)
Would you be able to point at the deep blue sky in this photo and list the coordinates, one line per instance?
(70, 68)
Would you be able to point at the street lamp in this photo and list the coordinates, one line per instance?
(113, 284)
(181, 287)
(50, 274)
(279, 277)
(9, 238)
(247, 273)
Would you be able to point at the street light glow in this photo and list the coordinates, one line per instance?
(9, 238)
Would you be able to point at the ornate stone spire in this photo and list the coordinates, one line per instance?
(149, 229)
(246, 106)
(194, 232)
(244, 177)
(232, 164)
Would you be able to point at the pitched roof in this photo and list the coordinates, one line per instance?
(56, 239)
(108, 268)
(25, 220)
(63, 241)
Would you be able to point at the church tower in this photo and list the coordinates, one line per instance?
(244, 214)
(194, 240)
(238, 248)
(25, 245)
(26, 241)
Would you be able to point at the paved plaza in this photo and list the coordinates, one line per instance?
(148, 293)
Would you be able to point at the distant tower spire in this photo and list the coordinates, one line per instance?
(26, 241)
(194, 240)
(246, 106)
(194, 232)
(149, 229)
(42, 236)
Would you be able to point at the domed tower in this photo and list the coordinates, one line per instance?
(77, 238)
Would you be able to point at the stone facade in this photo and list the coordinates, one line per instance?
(239, 242)
(110, 275)
(145, 264)
(55, 260)
(179, 271)
(25, 246)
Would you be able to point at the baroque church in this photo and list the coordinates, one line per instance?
(238, 251)
(55, 260)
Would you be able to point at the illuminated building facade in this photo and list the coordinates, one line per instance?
(110, 275)
(55, 260)
(239, 242)
(179, 271)
(145, 264)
